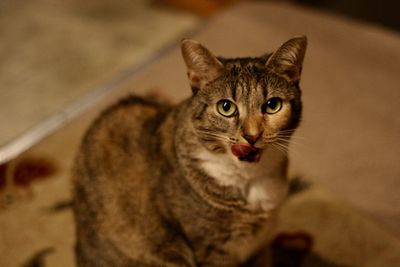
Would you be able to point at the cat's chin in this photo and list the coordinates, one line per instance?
(246, 152)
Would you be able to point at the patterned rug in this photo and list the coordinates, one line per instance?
(315, 230)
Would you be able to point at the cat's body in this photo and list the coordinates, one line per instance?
(159, 185)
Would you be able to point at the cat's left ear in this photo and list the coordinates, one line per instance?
(202, 66)
(287, 61)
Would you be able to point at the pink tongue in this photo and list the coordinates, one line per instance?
(241, 150)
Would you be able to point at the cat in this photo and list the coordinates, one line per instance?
(193, 184)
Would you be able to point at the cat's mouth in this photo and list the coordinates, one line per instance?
(246, 152)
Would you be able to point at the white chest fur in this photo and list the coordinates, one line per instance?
(263, 184)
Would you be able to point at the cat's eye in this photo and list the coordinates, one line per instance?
(226, 108)
(272, 106)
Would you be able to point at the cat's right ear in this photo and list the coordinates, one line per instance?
(287, 61)
(202, 66)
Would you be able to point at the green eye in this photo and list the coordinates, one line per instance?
(273, 105)
(226, 108)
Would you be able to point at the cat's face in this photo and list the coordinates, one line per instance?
(244, 106)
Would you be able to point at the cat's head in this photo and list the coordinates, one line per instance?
(245, 105)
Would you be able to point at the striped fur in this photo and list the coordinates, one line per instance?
(158, 185)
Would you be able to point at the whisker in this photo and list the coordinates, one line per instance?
(285, 139)
(279, 149)
(287, 142)
(278, 139)
(292, 150)
(293, 141)
(216, 136)
(292, 136)
(284, 147)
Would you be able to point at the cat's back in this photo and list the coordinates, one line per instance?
(113, 178)
(118, 136)
(113, 162)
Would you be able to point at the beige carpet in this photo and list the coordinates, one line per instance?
(53, 53)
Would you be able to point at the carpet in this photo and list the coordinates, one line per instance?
(54, 53)
(37, 229)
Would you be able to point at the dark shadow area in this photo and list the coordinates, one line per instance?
(290, 250)
(38, 260)
(384, 12)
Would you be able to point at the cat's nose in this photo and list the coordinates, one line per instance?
(252, 139)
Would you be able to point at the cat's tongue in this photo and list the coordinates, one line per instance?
(246, 152)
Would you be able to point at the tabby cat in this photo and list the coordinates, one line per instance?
(198, 183)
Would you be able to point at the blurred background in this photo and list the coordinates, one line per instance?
(54, 55)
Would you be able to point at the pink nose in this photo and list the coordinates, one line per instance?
(252, 139)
